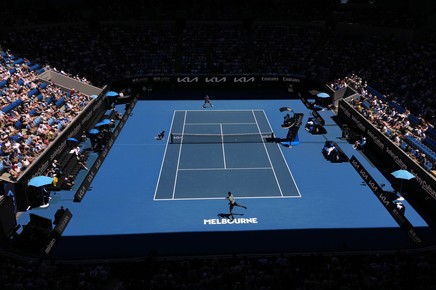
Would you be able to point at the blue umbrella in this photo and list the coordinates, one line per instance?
(39, 181)
(103, 122)
(403, 175)
(323, 96)
(111, 94)
(72, 141)
(94, 131)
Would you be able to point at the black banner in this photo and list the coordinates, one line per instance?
(291, 84)
(402, 221)
(318, 117)
(220, 79)
(8, 222)
(57, 232)
(81, 191)
(308, 104)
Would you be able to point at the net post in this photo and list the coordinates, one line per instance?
(171, 138)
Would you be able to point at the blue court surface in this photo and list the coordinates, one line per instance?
(168, 195)
(223, 151)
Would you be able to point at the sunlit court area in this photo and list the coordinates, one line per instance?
(168, 195)
(223, 149)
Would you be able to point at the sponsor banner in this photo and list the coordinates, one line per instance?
(306, 103)
(298, 119)
(57, 232)
(63, 222)
(390, 155)
(270, 79)
(218, 79)
(402, 221)
(152, 79)
(291, 79)
(286, 79)
(97, 164)
(293, 83)
(318, 117)
(237, 79)
(8, 222)
(10, 191)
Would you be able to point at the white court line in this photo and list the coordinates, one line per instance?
(284, 159)
(139, 144)
(267, 154)
(163, 159)
(230, 123)
(222, 146)
(290, 172)
(233, 110)
(180, 149)
(219, 168)
(221, 198)
(178, 158)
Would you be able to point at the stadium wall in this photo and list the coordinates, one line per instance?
(286, 83)
(69, 83)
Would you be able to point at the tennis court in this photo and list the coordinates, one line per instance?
(212, 152)
(170, 197)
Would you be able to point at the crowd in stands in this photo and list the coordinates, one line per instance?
(282, 271)
(397, 123)
(262, 38)
(402, 71)
(387, 13)
(214, 49)
(281, 48)
(113, 52)
(107, 51)
(32, 113)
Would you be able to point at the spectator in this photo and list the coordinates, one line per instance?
(360, 144)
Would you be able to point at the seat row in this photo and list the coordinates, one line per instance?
(415, 143)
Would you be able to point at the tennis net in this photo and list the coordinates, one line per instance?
(189, 138)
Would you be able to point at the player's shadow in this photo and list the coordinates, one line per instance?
(279, 140)
(228, 216)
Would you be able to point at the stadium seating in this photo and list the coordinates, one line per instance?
(416, 144)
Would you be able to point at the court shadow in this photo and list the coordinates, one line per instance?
(279, 140)
(228, 216)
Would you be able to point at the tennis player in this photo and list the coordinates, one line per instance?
(207, 101)
(233, 203)
(160, 136)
